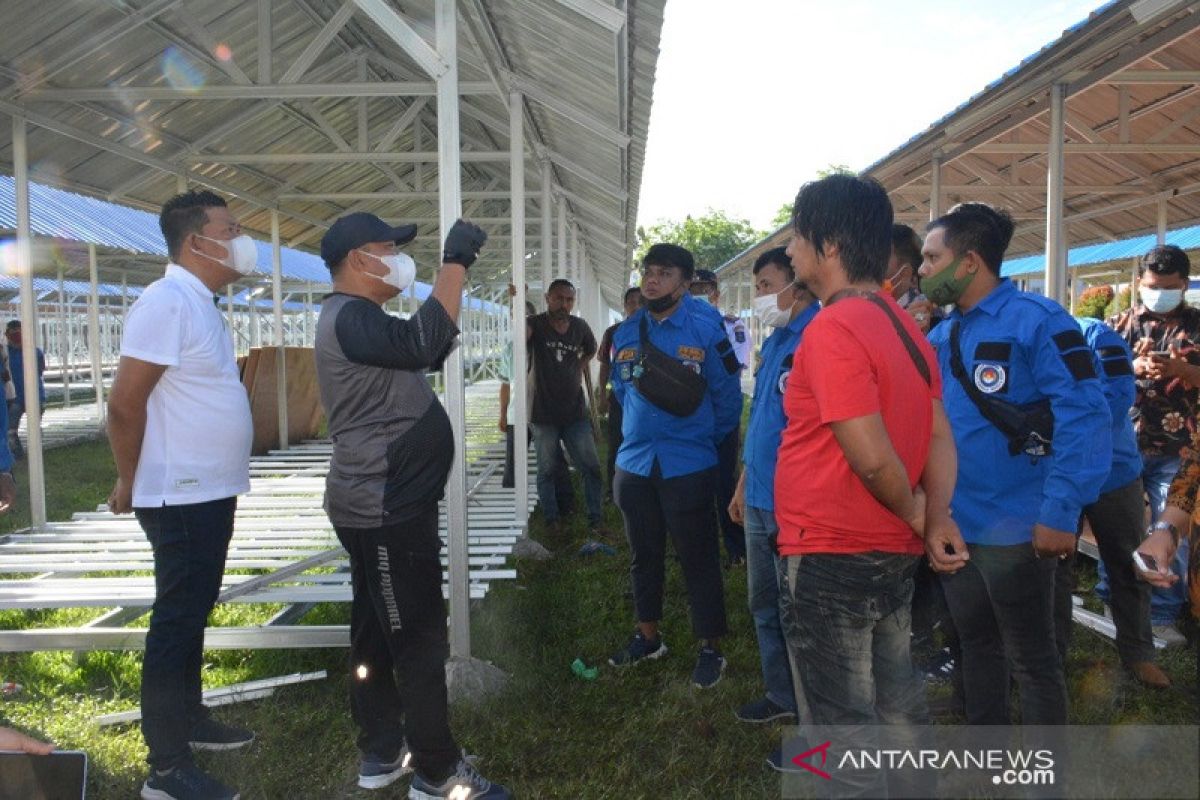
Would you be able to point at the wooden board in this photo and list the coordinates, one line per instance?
(305, 414)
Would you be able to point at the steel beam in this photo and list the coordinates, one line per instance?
(370, 157)
(33, 405)
(1056, 266)
(399, 31)
(520, 417)
(613, 19)
(450, 207)
(281, 91)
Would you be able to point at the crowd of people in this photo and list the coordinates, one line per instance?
(925, 444)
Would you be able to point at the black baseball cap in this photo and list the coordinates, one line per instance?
(705, 276)
(355, 230)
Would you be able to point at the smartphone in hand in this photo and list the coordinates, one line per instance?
(1145, 562)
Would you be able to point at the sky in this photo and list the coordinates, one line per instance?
(752, 97)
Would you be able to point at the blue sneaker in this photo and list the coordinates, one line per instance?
(375, 772)
(638, 649)
(764, 710)
(710, 664)
(465, 784)
(185, 782)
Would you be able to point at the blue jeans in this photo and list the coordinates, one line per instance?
(1165, 604)
(762, 586)
(847, 620)
(189, 543)
(577, 437)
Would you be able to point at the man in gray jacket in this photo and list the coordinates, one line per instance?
(392, 450)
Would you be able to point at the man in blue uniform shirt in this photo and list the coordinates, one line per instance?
(705, 289)
(1016, 358)
(784, 307)
(1116, 518)
(666, 468)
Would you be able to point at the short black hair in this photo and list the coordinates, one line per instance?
(1166, 259)
(13, 325)
(629, 291)
(906, 244)
(979, 227)
(185, 214)
(557, 282)
(852, 212)
(779, 257)
(670, 255)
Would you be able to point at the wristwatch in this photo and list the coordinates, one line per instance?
(1163, 525)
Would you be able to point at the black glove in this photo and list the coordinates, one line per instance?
(463, 243)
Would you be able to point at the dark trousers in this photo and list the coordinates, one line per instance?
(653, 506)
(189, 543)
(398, 643)
(847, 620)
(1116, 520)
(616, 418)
(1002, 604)
(732, 534)
(563, 490)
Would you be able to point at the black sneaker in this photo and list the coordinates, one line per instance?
(764, 710)
(639, 649)
(375, 772)
(210, 734)
(940, 669)
(185, 782)
(710, 664)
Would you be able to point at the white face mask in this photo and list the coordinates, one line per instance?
(241, 253)
(1160, 301)
(767, 309)
(401, 269)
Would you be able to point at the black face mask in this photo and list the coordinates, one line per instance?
(660, 304)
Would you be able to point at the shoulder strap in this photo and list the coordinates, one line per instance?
(914, 352)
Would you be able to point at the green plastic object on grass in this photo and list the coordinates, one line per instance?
(583, 670)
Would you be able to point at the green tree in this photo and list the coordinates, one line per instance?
(784, 215)
(713, 238)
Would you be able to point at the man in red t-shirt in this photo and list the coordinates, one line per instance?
(866, 465)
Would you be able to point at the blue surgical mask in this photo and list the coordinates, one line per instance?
(1160, 301)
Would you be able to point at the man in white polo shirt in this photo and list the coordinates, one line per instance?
(180, 430)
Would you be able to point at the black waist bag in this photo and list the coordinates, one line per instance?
(665, 382)
(1029, 428)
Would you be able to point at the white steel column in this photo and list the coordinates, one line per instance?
(64, 341)
(33, 406)
(547, 227)
(281, 393)
(561, 272)
(1162, 220)
(94, 333)
(449, 210)
(520, 414)
(1056, 266)
(309, 333)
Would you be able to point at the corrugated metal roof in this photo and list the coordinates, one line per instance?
(59, 214)
(589, 73)
(1185, 238)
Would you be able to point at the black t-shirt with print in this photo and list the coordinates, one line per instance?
(558, 397)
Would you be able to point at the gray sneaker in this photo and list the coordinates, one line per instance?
(375, 772)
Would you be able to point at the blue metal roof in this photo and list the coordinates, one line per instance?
(1186, 238)
(60, 214)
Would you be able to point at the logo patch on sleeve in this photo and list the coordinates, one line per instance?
(628, 354)
(990, 378)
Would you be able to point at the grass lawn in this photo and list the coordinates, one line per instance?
(635, 734)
